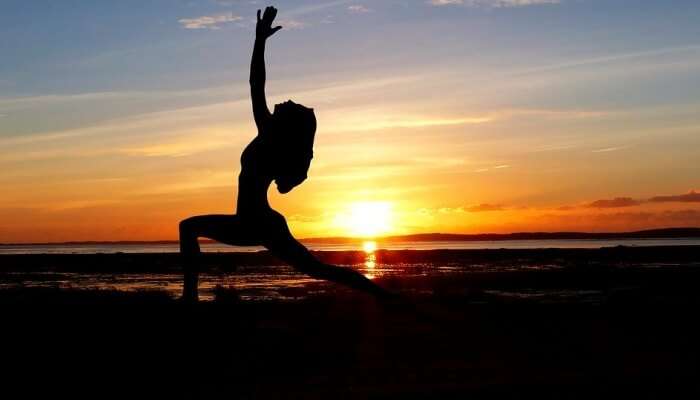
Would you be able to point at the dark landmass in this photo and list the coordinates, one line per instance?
(666, 233)
(630, 332)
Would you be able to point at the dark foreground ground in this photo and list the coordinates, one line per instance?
(638, 339)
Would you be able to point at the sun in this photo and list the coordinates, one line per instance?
(367, 218)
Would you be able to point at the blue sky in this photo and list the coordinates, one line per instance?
(568, 101)
(89, 46)
(72, 47)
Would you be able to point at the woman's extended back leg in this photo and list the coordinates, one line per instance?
(291, 251)
(226, 229)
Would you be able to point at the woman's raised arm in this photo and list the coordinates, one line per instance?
(263, 30)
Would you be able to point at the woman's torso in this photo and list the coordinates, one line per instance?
(255, 178)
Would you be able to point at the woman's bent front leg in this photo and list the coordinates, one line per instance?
(222, 228)
(189, 249)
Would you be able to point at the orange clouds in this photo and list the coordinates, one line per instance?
(614, 203)
(485, 207)
(690, 197)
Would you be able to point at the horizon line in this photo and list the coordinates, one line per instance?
(416, 236)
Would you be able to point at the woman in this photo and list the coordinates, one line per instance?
(281, 152)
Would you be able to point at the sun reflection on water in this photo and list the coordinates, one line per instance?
(370, 246)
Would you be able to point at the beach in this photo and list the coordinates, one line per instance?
(553, 323)
(512, 184)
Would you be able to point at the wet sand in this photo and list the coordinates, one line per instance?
(629, 330)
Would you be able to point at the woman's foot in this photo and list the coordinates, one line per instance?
(189, 298)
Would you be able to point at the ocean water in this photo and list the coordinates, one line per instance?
(281, 282)
(456, 245)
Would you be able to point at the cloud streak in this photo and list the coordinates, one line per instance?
(493, 3)
(291, 24)
(358, 9)
(612, 58)
(609, 149)
(614, 203)
(212, 22)
(690, 197)
(485, 207)
(310, 9)
(362, 122)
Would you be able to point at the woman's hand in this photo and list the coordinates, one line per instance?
(264, 29)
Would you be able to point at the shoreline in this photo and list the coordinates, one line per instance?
(155, 262)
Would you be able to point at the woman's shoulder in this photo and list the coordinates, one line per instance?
(257, 149)
(253, 144)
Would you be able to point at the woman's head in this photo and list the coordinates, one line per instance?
(295, 128)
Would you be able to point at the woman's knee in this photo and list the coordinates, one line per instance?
(189, 226)
(185, 225)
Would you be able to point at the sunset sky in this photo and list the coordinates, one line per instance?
(120, 118)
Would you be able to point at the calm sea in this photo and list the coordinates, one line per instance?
(215, 247)
(278, 281)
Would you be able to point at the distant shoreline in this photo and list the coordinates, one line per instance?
(666, 233)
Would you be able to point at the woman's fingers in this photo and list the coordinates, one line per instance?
(266, 21)
(270, 14)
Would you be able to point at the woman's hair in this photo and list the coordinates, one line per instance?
(295, 128)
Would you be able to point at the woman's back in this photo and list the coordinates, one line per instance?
(255, 177)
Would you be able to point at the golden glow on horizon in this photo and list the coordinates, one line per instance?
(369, 246)
(367, 219)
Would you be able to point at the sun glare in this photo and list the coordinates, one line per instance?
(367, 218)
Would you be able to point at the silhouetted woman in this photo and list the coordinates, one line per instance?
(281, 152)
